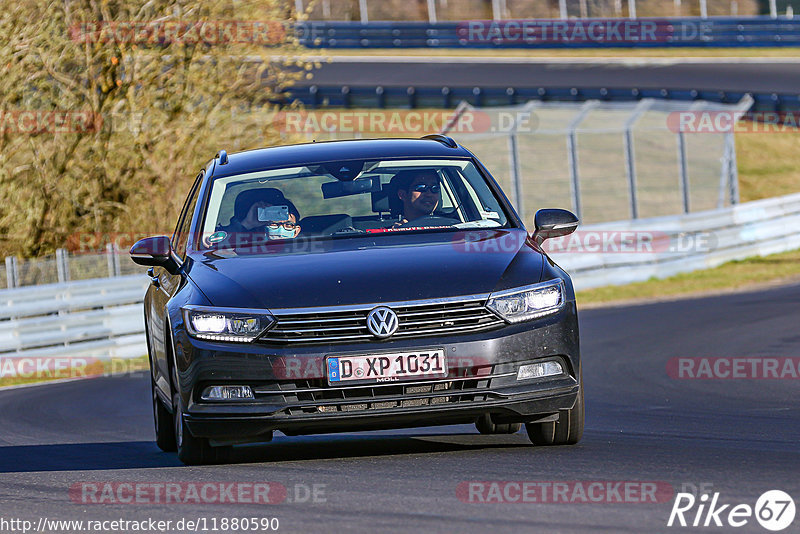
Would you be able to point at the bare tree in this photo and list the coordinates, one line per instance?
(108, 109)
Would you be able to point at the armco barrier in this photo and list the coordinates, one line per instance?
(326, 96)
(669, 32)
(103, 318)
(690, 242)
(98, 318)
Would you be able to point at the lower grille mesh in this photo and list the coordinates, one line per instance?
(315, 396)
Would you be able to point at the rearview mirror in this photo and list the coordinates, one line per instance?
(155, 252)
(367, 184)
(551, 223)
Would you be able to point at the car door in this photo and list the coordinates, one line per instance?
(165, 285)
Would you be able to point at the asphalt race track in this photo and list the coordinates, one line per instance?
(777, 75)
(736, 437)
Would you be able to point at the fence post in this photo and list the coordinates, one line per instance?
(773, 9)
(574, 178)
(112, 260)
(632, 9)
(704, 9)
(432, 11)
(630, 171)
(683, 168)
(362, 10)
(12, 272)
(298, 7)
(516, 179)
(724, 180)
(62, 265)
(572, 154)
(733, 171)
(630, 157)
(562, 9)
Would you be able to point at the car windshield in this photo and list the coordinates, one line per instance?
(348, 199)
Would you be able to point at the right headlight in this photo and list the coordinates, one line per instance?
(529, 302)
(226, 324)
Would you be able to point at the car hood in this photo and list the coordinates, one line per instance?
(362, 270)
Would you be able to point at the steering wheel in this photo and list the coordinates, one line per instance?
(430, 220)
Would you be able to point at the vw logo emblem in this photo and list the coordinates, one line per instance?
(382, 322)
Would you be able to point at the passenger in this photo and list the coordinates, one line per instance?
(418, 191)
(246, 217)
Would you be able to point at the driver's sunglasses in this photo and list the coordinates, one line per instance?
(288, 225)
(422, 188)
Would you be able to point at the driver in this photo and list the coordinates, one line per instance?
(418, 190)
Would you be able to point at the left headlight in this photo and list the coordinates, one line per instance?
(226, 324)
(529, 302)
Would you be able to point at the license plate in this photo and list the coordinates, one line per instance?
(393, 367)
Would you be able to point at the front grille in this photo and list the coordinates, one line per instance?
(467, 385)
(416, 319)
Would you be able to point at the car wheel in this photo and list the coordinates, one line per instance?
(162, 419)
(191, 450)
(485, 425)
(568, 430)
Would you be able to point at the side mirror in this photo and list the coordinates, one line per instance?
(155, 252)
(550, 223)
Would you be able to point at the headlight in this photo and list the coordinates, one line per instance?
(226, 324)
(530, 302)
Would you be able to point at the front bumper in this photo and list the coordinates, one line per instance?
(292, 394)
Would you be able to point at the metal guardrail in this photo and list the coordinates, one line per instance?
(688, 31)
(679, 244)
(99, 318)
(325, 96)
(103, 318)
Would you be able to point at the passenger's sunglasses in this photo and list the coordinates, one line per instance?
(422, 188)
(288, 225)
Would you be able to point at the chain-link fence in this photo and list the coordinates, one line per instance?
(64, 266)
(609, 161)
(449, 10)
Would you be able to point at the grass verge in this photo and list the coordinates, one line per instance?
(741, 274)
(12, 374)
(769, 164)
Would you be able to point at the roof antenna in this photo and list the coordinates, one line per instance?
(223, 157)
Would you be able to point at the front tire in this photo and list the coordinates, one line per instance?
(162, 419)
(568, 430)
(485, 425)
(193, 450)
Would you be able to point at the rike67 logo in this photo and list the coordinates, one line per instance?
(774, 510)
